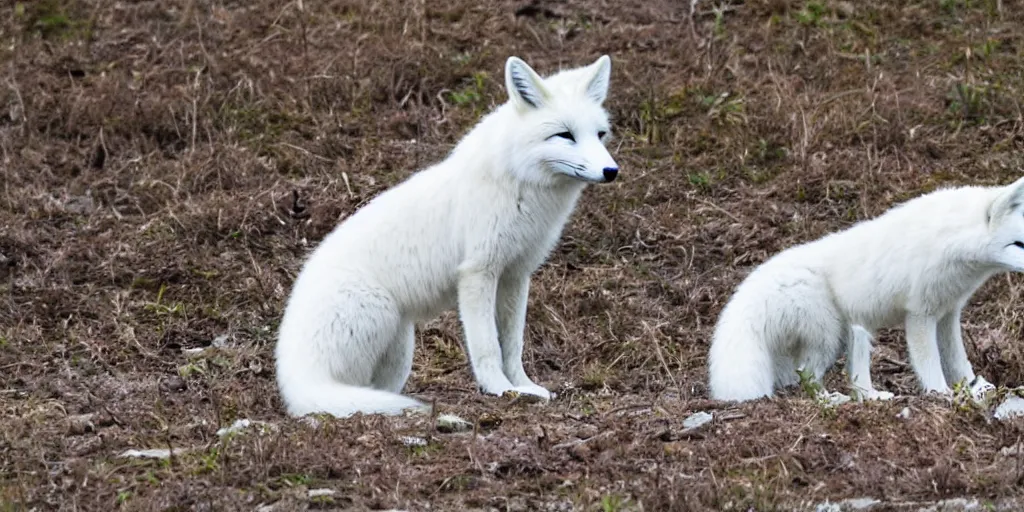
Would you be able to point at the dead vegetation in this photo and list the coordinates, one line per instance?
(166, 165)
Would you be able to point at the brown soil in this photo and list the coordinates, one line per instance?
(168, 164)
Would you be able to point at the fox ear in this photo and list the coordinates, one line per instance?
(597, 88)
(1010, 198)
(525, 86)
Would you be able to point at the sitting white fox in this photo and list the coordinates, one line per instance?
(916, 265)
(468, 231)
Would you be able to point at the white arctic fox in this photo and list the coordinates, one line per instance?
(466, 232)
(916, 265)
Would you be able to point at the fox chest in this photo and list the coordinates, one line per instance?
(524, 232)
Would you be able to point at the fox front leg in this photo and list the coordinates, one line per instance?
(858, 366)
(923, 348)
(477, 293)
(955, 365)
(513, 292)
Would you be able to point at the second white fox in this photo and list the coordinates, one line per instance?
(915, 265)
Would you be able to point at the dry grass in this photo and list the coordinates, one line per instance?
(166, 165)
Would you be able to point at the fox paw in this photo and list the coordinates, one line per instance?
(833, 398)
(529, 392)
(980, 388)
(873, 394)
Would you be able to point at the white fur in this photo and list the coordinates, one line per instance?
(467, 232)
(915, 265)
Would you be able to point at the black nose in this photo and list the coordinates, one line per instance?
(610, 173)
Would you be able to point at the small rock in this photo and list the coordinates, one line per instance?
(1010, 451)
(904, 414)
(580, 451)
(173, 383)
(845, 8)
(587, 431)
(220, 341)
(242, 424)
(1012, 407)
(860, 503)
(412, 441)
(834, 398)
(88, 445)
(848, 504)
(313, 493)
(696, 420)
(81, 205)
(153, 453)
(449, 423)
(828, 507)
(81, 424)
(85, 423)
(237, 426)
(958, 504)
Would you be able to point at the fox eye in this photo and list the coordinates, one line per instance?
(566, 136)
(601, 134)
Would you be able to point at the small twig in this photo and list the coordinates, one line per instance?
(661, 358)
(720, 209)
(628, 408)
(348, 187)
(304, 150)
(577, 442)
(472, 444)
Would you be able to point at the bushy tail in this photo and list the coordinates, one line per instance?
(342, 400)
(740, 363)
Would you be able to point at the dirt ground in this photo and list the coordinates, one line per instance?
(168, 164)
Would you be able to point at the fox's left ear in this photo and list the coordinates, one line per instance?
(1009, 200)
(597, 87)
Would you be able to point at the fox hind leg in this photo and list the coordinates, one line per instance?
(821, 341)
(395, 364)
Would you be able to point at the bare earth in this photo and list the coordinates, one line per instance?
(167, 165)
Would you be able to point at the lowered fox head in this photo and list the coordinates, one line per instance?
(560, 127)
(1006, 226)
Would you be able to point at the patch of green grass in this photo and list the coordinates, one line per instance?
(596, 376)
(296, 479)
(986, 49)
(50, 19)
(719, 26)
(423, 450)
(811, 14)
(123, 497)
(704, 180)
(256, 122)
(197, 367)
(809, 384)
(613, 503)
(472, 93)
(952, 7)
(175, 308)
(968, 101)
(724, 109)
(459, 483)
(209, 461)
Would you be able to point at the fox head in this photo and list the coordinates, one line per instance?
(1006, 226)
(561, 126)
